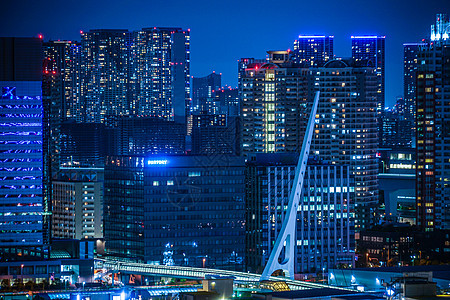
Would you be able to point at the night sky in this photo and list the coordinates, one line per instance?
(224, 31)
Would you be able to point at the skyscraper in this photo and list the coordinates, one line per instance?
(24, 207)
(274, 104)
(78, 203)
(161, 71)
(433, 129)
(61, 88)
(105, 74)
(346, 130)
(313, 50)
(372, 48)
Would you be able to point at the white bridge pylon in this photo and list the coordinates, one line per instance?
(286, 236)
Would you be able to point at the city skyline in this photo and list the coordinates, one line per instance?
(221, 36)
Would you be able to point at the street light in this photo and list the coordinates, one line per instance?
(204, 261)
(323, 274)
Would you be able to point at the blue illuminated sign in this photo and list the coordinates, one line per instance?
(157, 162)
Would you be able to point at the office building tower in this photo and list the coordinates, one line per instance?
(216, 134)
(191, 206)
(203, 93)
(410, 51)
(78, 203)
(161, 68)
(106, 65)
(346, 130)
(433, 129)
(325, 218)
(24, 208)
(313, 50)
(274, 104)
(61, 87)
(372, 48)
(142, 136)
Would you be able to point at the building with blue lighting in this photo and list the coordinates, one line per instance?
(410, 65)
(24, 206)
(313, 50)
(181, 210)
(372, 48)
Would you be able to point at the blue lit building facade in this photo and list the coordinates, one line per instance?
(313, 50)
(21, 160)
(181, 210)
(410, 64)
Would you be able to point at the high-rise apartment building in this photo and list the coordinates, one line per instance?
(203, 93)
(61, 88)
(372, 49)
(325, 218)
(274, 104)
(433, 129)
(106, 66)
(215, 134)
(161, 73)
(346, 129)
(313, 50)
